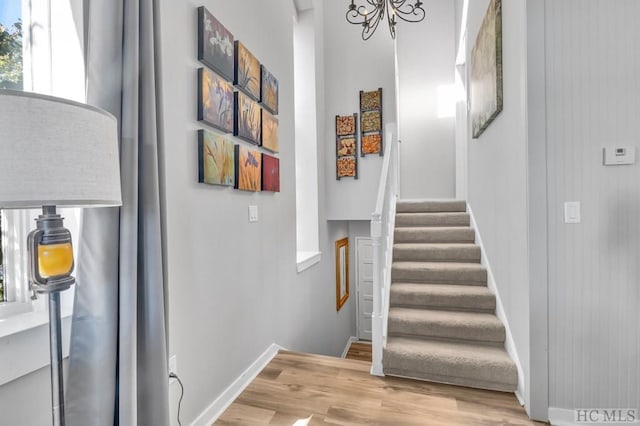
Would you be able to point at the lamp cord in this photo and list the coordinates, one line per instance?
(175, 376)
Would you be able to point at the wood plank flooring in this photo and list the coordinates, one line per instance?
(360, 351)
(312, 390)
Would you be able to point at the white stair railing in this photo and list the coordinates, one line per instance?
(382, 226)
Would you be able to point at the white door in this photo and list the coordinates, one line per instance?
(364, 286)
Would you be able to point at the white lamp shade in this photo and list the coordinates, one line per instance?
(55, 152)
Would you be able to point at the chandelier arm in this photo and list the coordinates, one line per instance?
(368, 31)
(408, 12)
(357, 15)
(370, 19)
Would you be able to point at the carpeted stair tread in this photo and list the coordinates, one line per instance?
(467, 297)
(466, 364)
(431, 206)
(439, 272)
(472, 326)
(441, 323)
(440, 252)
(432, 219)
(425, 234)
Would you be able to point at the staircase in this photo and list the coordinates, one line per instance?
(442, 325)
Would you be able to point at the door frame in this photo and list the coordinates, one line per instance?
(357, 284)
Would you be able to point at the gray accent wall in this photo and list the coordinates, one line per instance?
(593, 101)
(233, 285)
(426, 54)
(351, 65)
(497, 176)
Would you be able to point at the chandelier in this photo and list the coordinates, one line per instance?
(370, 18)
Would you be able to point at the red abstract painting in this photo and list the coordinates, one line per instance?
(270, 173)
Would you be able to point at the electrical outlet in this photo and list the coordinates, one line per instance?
(173, 367)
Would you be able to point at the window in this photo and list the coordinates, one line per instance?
(2, 291)
(49, 61)
(306, 118)
(11, 77)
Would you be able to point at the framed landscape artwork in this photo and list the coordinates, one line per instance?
(248, 169)
(486, 71)
(269, 91)
(247, 71)
(270, 132)
(215, 44)
(216, 159)
(270, 173)
(215, 100)
(248, 119)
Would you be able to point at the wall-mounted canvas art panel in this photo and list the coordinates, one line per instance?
(269, 91)
(248, 169)
(270, 132)
(371, 144)
(248, 119)
(247, 71)
(346, 146)
(345, 125)
(215, 100)
(371, 121)
(486, 70)
(216, 159)
(347, 167)
(215, 44)
(370, 101)
(270, 173)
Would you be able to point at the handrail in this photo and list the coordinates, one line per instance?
(382, 224)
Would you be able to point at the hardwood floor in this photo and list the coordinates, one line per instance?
(301, 389)
(360, 351)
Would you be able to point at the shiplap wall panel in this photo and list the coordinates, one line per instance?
(593, 100)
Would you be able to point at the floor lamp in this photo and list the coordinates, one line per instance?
(55, 152)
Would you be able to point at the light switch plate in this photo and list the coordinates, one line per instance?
(572, 212)
(253, 213)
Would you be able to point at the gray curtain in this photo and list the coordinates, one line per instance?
(118, 360)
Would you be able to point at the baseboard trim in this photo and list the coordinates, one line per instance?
(350, 340)
(561, 417)
(509, 344)
(566, 417)
(222, 402)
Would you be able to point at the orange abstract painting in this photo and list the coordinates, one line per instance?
(248, 169)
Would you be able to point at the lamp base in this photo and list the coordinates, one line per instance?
(55, 347)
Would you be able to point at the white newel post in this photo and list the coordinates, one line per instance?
(377, 318)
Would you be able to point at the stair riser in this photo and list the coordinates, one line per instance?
(467, 255)
(433, 235)
(431, 207)
(433, 220)
(473, 277)
(455, 303)
(398, 327)
(469, 380)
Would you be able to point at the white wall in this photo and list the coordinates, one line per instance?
(593, 88)
(351, 65)
(497, 176)
(426, 59)
(233, 286)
